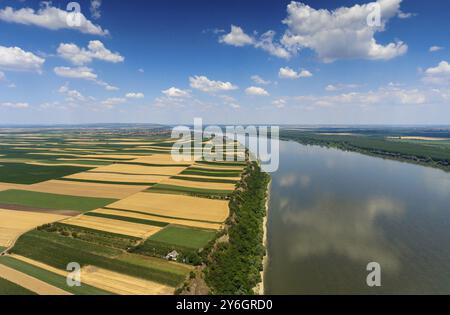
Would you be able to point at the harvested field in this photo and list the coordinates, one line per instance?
(29, 283)
(165, 159)
(197, 184)
(130, 214)
(14, 223)
(51, 201)
(51, 275)
(58, 251)
(86, 189)
(118, 178)
(114, 226)
(10, 288)
(139, 169)
(176, 206)
(122, 284)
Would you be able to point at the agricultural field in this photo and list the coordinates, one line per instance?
(114, 201)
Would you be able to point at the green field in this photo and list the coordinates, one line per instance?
(198, 192)
(184, 236)
(212, 173)
(206, 180)
(58, 251)
(49, 277)
(20, 173)
(127, 219)
(9, 288)
(51, 201)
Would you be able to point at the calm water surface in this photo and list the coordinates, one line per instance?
(333, 212)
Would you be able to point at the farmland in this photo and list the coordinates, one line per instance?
(112, 200)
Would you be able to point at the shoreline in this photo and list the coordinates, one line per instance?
(259, 289)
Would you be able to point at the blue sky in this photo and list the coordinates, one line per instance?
(253, 61)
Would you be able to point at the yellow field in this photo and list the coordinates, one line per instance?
(109, 177)
(122, 284)
(6, 186)
(177, 206)
(197, 224)
(115, 191)
(30, 283)
(114, 226)
(210, 177)
(140, 170)
(224, 167)
(164, 159)
(195, 184)
(14, 223)
(107, 280)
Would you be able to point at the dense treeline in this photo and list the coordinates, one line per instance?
(431, 155)
(234, 266)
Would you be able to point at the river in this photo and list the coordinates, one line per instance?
(333, 212)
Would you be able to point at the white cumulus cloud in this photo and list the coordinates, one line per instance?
(177, 93)
(288, 73)
(17, 59)
(95, 8)
(342, 33)
(76, 73)
(435, 48)
(134, 95)
(95, 50)
(438, 75)
(258, 91)
(204, 84)
(50, 18)
(236, 37)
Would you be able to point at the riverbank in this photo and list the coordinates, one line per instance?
(259, 289)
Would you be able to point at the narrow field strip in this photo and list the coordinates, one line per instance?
(106, 182)
(10, 288)
(139, 169)
(29, 283)
(117, 177)
(146, 216)
(113, 226)
(206, 179)
(192, 191)
(86, 189)
(52, 201)
(122, 284)
(127, 219)
(196, 183)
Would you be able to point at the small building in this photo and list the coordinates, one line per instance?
(173, 255)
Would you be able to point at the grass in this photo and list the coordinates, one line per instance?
(212, 173)
(2, 248)
(222, 163)
(51, 201)
(50, 277)
(9, 288)
(20, 173)
(207, 180)
(127, 219)
(199, 192)
(58, 251)
(184, 236)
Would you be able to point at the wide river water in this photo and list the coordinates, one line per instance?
(333, 212)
